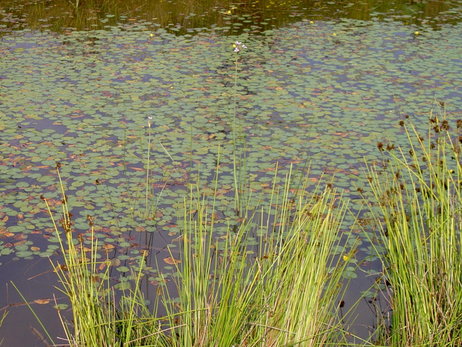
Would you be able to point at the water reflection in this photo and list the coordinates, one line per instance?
(189, 16)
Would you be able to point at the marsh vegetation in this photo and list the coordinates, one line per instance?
(288, 287)
(207, 194)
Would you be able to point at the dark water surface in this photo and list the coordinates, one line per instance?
(320, 82)
(184, 16)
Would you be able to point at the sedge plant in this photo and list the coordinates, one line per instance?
(284, 291)
(420, 213)
(100, 316)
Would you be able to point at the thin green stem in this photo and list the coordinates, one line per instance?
(146, 197)
(235, 160)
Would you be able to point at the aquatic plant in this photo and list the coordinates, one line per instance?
(420, 213)
(285, 290)
(100, 316)
(2, 318)
(286, 114)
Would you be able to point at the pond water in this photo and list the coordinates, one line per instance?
(319, 82)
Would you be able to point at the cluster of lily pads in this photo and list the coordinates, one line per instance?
(288, 286)
(302, 95)
(318, 92)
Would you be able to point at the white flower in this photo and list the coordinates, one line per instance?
(238, 46)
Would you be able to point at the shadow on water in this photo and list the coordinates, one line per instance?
(187, 16)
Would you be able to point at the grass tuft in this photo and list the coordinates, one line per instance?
(284, 291)
(419, 199)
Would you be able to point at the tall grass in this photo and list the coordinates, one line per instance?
(99, 316)
(421, 205)
(285, 291)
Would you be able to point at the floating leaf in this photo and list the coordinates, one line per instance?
(172, 261)
(61, 307)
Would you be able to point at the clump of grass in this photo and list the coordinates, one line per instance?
(284, 291)
(419, 198)
(303, 285)
(98, 317)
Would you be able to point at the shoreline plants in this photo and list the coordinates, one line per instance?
(286, 288)
(285, 291)
(420, 221)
